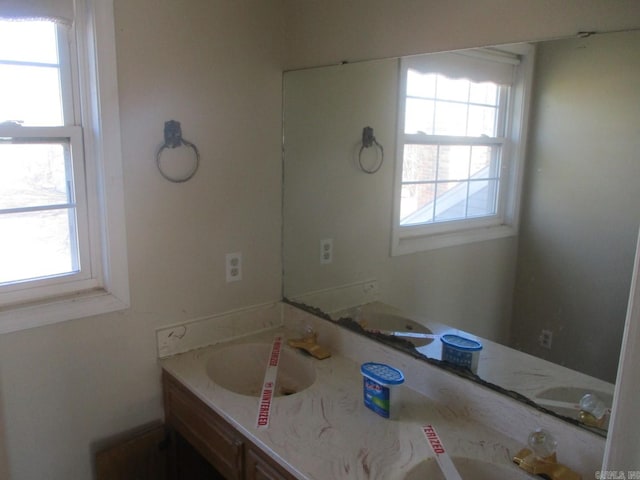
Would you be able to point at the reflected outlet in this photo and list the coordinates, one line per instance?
(326, 251)
(545, 339)
(234, 267)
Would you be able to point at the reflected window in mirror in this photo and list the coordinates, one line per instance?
(461, 126)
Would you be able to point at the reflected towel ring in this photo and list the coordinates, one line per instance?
(173, 139)
(369, 140)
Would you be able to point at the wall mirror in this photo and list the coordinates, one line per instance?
(548, 303)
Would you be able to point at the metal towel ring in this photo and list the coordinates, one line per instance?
(173, 139)
(369, 140)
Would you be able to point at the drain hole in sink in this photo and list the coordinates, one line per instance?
(284, 391)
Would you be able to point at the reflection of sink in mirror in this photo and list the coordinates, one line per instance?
(467, 468)
(566, 400)
(378, 320)
(503, 290)
(241, 368)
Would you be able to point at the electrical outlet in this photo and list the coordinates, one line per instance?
(234, 267)
(326, 251)
(546, 336)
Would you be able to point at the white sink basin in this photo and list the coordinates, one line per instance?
(573, 394)
(565, 400)
(469, 469)
(241, 368)
(391, 323)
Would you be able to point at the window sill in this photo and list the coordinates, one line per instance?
(30, 315)
(412, 244)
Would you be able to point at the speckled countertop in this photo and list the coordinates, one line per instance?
(326, 432)
(509, 368)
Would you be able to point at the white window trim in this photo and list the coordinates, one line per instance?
(105, 189)
(412, 239)
(24, 291)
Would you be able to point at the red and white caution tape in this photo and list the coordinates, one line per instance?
(268, 386)
(442, 457)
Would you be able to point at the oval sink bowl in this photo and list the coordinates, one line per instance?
(402, 327)
(467, 468)
(573, 394)
(565, 400)
(240, 369)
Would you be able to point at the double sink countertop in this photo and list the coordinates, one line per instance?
(325, 431)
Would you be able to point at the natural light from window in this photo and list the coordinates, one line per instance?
(30, 74)
(444, 176)
(37, 200)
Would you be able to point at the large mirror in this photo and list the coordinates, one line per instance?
(548, 304)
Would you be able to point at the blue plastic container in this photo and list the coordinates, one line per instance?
(461, 351)
(377, 378)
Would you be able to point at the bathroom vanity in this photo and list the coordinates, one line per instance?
(323, 429)
(219, 442)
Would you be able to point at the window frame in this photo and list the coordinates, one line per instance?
(21, 291)
(406, 239)
(97, 129)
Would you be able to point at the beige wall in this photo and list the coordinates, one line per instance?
(330, 31)
(215, 66)
(580, 215)
(326, 195)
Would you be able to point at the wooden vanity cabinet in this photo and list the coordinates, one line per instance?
(260, 467)
(222, 446)
(206, 431)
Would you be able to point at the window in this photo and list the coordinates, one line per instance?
(62, 250)
(41, 161)
(457, 170)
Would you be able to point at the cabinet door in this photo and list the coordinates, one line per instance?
(219, 443)
(189, 464)
(261, 467)
(137, 455)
